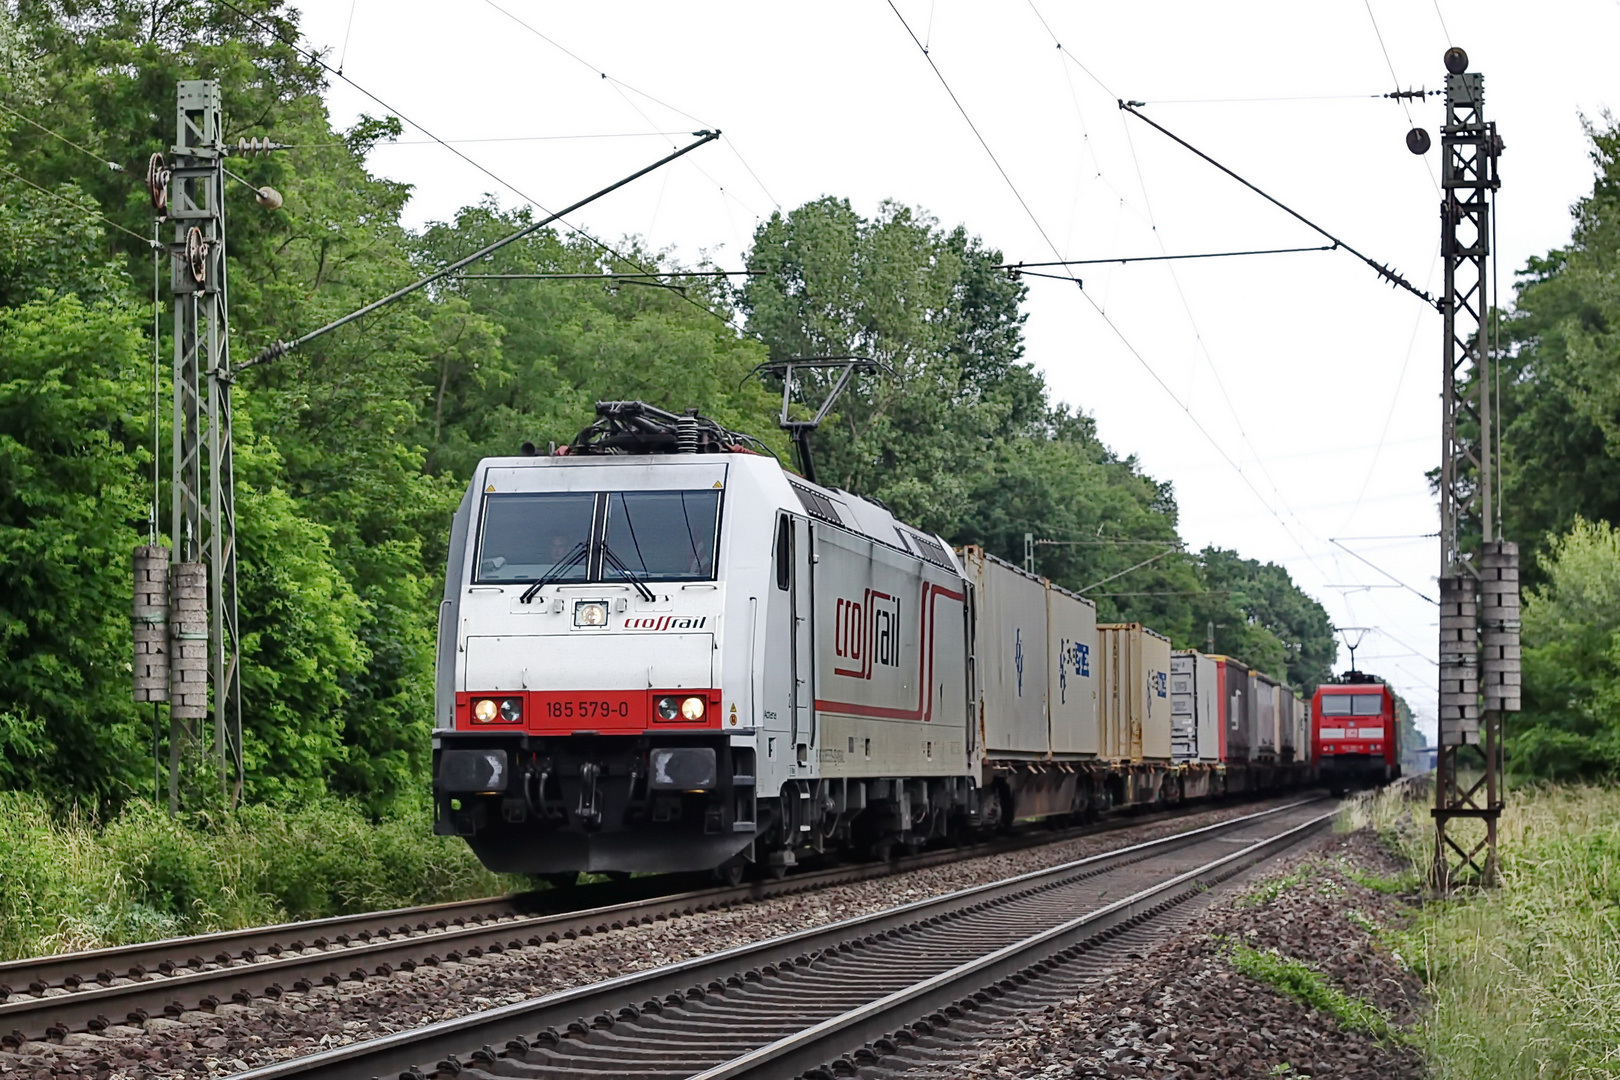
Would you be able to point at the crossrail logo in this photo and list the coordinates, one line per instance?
(666, 622)
(867, 632)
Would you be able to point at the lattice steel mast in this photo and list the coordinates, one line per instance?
(205, 675)
(1478, 569)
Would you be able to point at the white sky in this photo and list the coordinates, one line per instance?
(1319, 381)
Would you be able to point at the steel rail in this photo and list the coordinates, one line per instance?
(170, 977)
(965, 987)
(512, 1025)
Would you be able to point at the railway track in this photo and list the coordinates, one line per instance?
(837, 998)
(50, 997)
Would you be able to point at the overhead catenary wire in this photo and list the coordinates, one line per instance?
(621, 86)
(1187, 307)
(1383, 271)
(113, 165)
(976, 132)
(315, 58)
(280, 349)
(1018, 266)
(1088, 297)
(1356, 555)
(77, 206)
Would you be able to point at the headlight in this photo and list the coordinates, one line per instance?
(485, 710)
(692, 708)
(590, 613)
(668, 708)
(512, 710)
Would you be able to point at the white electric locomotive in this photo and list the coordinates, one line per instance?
(659, 650)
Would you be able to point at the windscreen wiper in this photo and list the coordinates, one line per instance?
(618, 564)
(556, 572)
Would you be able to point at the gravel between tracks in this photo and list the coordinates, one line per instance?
(1184, 1011)
(236, 1037)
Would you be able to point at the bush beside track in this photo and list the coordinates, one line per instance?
(71, 882)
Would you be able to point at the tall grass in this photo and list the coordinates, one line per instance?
(71, 882)
(1524, 978)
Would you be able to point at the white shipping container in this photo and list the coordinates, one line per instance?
(1194, 708)
(1071, 688)
(1133, 692)
(1011, 653)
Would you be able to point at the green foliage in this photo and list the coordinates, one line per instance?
(1571, 723)
(1561, 385)
(1524, 979)
(73, 439)
(1262, 616)
(1305, 984)
(70, 882)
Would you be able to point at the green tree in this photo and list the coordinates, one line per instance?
(1261, 615)
(1561, 385)
(553, 348)
(1570, 726)
(74, 428)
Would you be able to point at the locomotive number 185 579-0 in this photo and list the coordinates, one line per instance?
(587, 709)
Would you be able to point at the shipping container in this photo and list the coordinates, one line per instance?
(1071, 682)
(1195, 709)
(1287, 731)
(1302, 729)
(1010, 651)
(1263, 707)
(1133, 692)
(1233, 682)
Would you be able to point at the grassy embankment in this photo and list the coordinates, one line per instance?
(71, 882)
(1524, 979)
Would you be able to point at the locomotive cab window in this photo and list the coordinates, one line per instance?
(524, 537)
(1367, 704)
(661, 535)
(1352, 704)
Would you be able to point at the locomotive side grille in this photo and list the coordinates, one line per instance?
(931, 550)
(816, 504)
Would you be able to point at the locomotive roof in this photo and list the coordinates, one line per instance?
(830, 505)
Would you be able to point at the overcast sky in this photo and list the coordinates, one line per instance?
(1291, 399)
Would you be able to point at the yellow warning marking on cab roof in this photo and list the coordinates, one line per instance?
(490, 488)
(718, 484)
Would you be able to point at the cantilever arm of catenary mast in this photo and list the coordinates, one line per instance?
(1379, 268)
(1128, 569)
(282, 348)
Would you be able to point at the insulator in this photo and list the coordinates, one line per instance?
(686, 433)
(253, 147)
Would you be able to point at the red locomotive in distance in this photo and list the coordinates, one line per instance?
(1355, 740)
